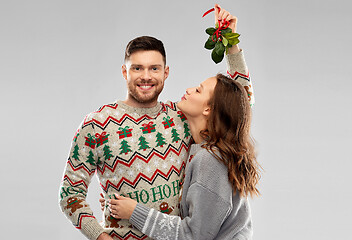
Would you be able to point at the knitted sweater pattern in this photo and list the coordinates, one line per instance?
(209, 208)
(135, 152)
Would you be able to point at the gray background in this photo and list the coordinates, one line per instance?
(60, 60)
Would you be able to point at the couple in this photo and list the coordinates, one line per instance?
(140, 149)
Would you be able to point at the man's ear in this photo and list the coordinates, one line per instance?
(124, 71)
(166, 72)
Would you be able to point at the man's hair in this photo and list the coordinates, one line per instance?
(228, 133)
(145, 43)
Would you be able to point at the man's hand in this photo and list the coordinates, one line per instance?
(122, 207)
(223, 16)
(104, 236)
(102, 202)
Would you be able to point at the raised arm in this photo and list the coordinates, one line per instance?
(79, 170)
(236, 64)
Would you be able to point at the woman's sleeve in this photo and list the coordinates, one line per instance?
(207, 212)
(238, 71)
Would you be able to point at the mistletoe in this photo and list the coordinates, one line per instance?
(221, 38)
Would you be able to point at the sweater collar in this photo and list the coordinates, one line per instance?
(140, 111)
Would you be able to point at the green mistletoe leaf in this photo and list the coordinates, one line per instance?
(225, 41)
(216, 58)
(234, 41)
(209, 44)
(210, 30)
(231, 35)
(227, 30)
(219, 48)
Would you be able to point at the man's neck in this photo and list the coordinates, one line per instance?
(133, 103)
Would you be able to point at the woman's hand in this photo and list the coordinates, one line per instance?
(224, 16)
(121, 207)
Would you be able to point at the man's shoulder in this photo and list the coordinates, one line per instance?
(169, 105)
(101, 112)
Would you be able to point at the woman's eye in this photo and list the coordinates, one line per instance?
(197, 90)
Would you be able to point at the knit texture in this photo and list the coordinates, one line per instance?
(139, 153)
(209, 208)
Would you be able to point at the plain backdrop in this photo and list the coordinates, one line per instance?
(60, 60)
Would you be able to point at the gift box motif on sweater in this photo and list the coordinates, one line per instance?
(90, 141)
(101, 138)
(148, 128)
(76, 136)
(125, 132)
(182, 116)
(168, 122)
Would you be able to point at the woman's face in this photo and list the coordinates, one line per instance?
(195, 102)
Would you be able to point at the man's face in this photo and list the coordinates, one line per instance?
(145, 74)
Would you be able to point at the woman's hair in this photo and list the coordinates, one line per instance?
(228, 133)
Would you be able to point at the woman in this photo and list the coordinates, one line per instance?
(220, 173)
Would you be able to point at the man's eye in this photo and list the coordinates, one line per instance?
(155, 69)
(197, 90)
(137, 68)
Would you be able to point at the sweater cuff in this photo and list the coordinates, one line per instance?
(236, 63)
(92, 229)
(139, 216)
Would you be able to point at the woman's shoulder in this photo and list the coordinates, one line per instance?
(209, 158)
(207, 164)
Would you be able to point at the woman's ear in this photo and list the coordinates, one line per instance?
(206, 111)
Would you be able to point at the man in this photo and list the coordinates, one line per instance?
(137, 147)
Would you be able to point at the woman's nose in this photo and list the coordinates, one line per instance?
(189, 90)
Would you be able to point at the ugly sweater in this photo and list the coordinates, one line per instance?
(135, 152)
(209, 208)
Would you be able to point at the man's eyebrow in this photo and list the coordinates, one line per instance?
(201, 85)
(136, 65)
(156, 65)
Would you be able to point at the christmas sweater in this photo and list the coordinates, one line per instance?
(209, 207)
(135, 152)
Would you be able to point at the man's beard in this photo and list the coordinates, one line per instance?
(141, 98)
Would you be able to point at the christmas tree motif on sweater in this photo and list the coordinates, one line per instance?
(90, 158)
(101, 139)
(99, 161)
(125, 132)
(160, 140)
(125, 148)
(107, 152)
(168, 122)
(175, 135)
(143, 144)
(186, 130)
(181, 115)
(148, 128)
(90, 141)
(75, 153)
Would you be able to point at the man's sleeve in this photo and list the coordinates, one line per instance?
(237, 70)
(78, 172)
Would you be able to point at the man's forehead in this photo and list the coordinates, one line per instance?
(145, 58)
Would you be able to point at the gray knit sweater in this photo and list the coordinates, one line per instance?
(209, 208)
